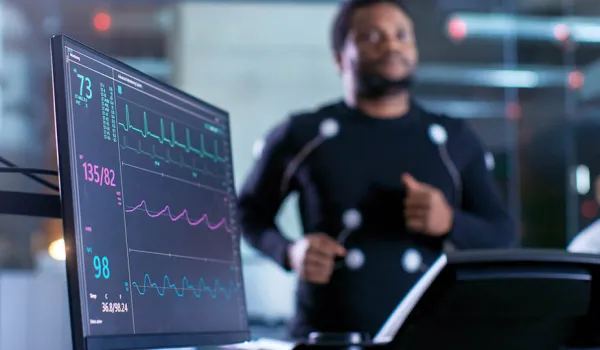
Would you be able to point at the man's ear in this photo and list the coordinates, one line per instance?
(337, 58)
(597, 185)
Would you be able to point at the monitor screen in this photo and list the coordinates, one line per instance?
(148, 199)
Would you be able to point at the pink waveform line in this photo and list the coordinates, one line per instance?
(222, 223)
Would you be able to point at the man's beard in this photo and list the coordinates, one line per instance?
(373, 85)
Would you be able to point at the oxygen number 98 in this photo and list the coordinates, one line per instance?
(101, 267)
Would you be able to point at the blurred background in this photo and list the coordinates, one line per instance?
(524, 73)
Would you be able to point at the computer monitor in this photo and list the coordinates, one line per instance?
(500, 299)
(148, 206)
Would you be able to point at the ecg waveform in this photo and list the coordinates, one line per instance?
(214, 290)
(184, 214)
(168, 158)
(172, 141)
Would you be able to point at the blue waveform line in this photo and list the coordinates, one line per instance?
(218, 288)
(167, 158)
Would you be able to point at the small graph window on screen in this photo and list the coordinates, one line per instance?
(153, 203)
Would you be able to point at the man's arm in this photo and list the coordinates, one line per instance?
(482, 221)
(260, 198)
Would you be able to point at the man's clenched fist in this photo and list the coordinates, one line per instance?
(426, 209)
(313, 256)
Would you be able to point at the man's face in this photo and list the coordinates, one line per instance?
(381, 43)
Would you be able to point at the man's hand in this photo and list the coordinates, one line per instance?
(426, 209)
(313, 256)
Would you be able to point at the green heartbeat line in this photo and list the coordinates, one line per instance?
(162, 138)
(167, 158)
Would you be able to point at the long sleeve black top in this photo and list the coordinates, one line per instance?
(360, 168)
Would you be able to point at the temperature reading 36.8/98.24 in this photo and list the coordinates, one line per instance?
(99, 174)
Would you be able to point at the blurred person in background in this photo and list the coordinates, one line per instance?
(383, 184)
(588, 240)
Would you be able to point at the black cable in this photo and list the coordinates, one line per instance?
(29, 173)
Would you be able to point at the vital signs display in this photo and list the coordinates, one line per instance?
(150, 183)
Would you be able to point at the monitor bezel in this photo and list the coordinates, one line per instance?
(63, 142)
